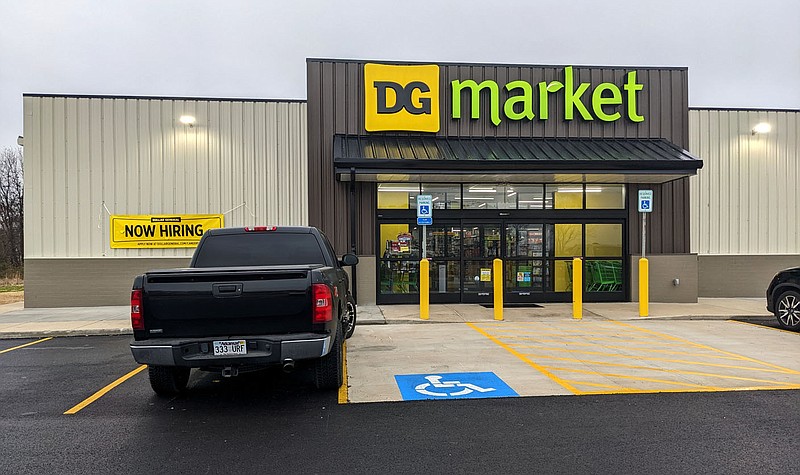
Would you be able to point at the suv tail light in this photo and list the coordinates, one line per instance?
(137, 322)
(322, 303)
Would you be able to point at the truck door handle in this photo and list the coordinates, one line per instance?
(226, 290)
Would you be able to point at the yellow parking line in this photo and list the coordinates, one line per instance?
(635, 348)
(598, 385)
(698, 345)
(763, 326)
(652, 358)
(519, 355)
(26, 344)
(94, 397)
(343, 388)
(660, 370)
(635, 378)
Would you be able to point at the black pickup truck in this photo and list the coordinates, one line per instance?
(251, 297)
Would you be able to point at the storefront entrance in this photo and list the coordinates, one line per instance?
(537, 260)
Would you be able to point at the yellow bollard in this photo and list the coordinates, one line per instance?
(577, 288)
(644, 287)
(424, 290)
(497, 275)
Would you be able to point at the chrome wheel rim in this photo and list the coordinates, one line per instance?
(789, 311)
(348, 319)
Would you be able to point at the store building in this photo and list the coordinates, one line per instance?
(532, 164)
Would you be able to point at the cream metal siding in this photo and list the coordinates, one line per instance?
(745, 198)
(86, 157)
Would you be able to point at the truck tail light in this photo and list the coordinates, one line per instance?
(137, 322)
(260, 229)
(322, 303)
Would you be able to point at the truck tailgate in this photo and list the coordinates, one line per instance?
(210, 302)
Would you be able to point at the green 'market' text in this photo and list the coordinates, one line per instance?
(606, 99)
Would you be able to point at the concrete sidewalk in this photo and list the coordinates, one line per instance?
(19, 322)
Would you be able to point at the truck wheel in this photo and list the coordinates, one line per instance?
(328, 369)
(349, 317)
(168, 380)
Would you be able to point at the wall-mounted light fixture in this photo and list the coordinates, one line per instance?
(188, 120)
(761, 128)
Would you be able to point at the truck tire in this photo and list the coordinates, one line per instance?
(328, 369)
(349, 317)
(168, 380)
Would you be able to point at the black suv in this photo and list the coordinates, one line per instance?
(783, 298)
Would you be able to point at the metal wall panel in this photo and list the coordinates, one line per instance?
(745, 199)
(86, 157)
(336, 106)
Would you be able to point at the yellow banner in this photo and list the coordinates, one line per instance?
(160, 231)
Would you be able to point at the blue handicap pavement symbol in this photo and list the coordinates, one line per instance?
(414, 387)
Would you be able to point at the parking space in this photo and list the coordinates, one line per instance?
(562, 356)
(96, 376)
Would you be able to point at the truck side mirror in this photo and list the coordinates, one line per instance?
(349, 260)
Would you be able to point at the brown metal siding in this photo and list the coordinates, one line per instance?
(336, 104)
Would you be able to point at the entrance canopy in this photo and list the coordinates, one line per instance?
(519, 160)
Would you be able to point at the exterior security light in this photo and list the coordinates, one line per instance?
(187, 120)
(762, 128)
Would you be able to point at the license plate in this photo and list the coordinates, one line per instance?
(230, 348)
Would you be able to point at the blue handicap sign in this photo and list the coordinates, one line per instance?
(424, 210)
(415, 387)
(645, 204)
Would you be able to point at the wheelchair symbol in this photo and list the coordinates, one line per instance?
(424, 210)
(435, 382)
(645, 204)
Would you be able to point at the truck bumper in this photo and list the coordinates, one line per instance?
(262, 350)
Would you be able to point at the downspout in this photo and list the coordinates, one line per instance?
(353, 270)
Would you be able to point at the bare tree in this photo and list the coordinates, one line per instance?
(11, 213)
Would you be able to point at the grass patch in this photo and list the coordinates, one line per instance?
(12, 288)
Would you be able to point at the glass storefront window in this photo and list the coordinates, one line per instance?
(523, 276)
(398, 195)
(605, 196)
(603, 240)
(399, 277)
(443, 196)
(482, 241)
(443, 242)
(400, 241)
(529, 196)
(445, 276)
(567, 196)
(488, 196)
(603, 275)
(524, 240)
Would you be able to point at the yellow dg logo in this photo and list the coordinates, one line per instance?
(401, 98)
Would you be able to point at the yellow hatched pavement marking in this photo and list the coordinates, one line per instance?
(94, 397)
(660, 370)
(631, 348)
(651, 358)
(634, 378)
(711, 348)
(565, 384)
(26, 344)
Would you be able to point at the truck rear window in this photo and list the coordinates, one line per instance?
(259, 249)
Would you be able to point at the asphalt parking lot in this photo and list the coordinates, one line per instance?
(82, 405)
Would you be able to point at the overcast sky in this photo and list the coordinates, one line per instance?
(739, 53)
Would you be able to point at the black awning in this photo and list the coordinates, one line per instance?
(527, 159)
